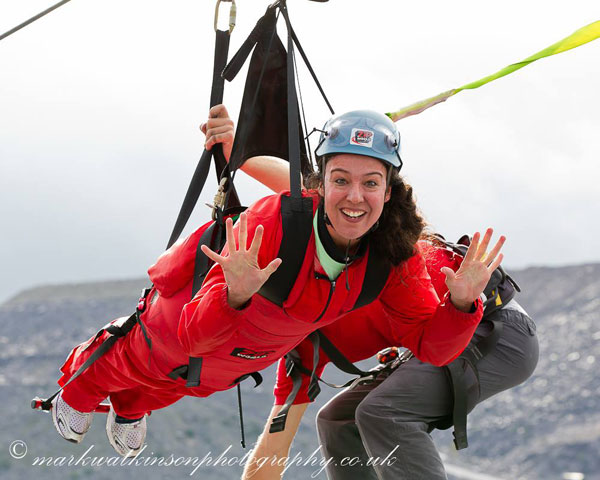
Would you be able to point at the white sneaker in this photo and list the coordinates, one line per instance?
(126, 438)
(71, 424)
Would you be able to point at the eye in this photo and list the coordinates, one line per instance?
(340, 181)
(371, 183)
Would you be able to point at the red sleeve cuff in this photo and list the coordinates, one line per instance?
(476, 306)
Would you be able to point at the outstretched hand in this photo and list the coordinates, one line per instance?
(243, 275)
(219, 129)
(469, 281)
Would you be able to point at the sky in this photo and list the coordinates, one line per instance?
(100, 104)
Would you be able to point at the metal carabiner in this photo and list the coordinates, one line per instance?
(232, 14)
(220, 197)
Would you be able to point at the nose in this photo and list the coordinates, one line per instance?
(355, 193)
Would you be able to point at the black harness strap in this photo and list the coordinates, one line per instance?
(202, 169)
(116, 331)
(193, 373)
(213, 237)
(293, 365)
(278, 422)
(295, 370)
(459, 411)
(202, 262)
(293, 123)
(376, 275)
(258, 380)
(472, 355)
(101, 350)
(338, 358)
(311, 70)
(297, 229)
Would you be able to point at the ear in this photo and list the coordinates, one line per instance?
(388, 194)
(321, 190)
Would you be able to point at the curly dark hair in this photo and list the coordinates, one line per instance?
(400, 225)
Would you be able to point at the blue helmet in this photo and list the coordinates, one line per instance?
(362, 132)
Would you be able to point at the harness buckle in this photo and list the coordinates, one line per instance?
(387, 355)
(141, 306)
(476, 353)
(219, 200)
(313, 390)
(289, 365)
(278, 423)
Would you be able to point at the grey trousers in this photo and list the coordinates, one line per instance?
(386, 424)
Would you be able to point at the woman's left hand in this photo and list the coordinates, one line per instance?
(469, 281)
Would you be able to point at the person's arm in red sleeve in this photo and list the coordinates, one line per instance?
(434, 331)
(209, 320)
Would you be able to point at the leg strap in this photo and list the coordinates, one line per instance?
(472, 355)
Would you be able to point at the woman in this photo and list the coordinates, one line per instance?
(228, 318)
(391, 415)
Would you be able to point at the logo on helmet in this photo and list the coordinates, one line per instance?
(361, 137)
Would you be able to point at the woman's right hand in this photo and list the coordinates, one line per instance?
(272, 172)
(219, 129)
(243, 274)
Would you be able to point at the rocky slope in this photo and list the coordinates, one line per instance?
(544, 429)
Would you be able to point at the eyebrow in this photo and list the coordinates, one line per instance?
(346, 171)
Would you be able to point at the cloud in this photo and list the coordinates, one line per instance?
(100, 107)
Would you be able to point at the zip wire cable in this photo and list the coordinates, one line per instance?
(33, 19)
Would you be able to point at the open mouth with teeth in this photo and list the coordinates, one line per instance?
(353, 214)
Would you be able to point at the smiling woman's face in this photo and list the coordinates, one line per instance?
(354, 189)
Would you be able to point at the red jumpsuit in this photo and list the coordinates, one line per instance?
(364, 332)
(236, 342)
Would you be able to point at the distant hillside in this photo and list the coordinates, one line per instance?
(549, 426)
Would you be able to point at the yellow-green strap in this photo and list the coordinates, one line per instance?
(581, 36)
